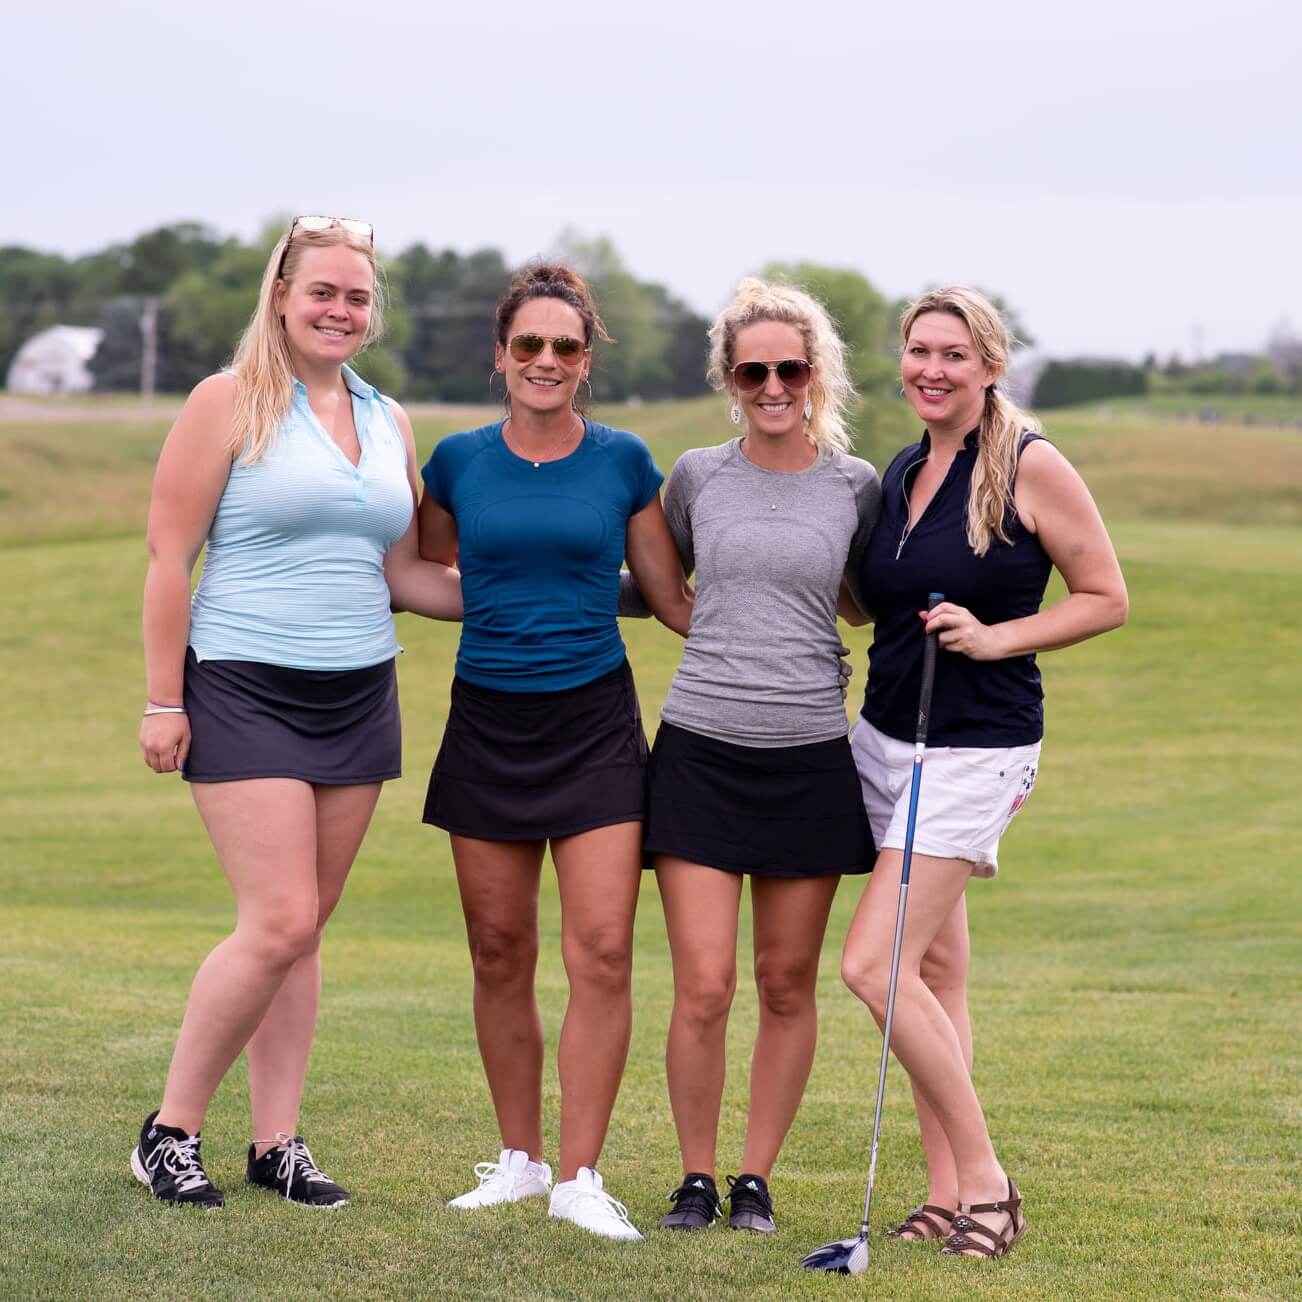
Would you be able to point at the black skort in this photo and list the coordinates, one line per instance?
(526, 766)
(785, 811)
(337, 727)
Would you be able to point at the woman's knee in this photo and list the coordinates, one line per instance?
(600, 959)
(868, 977)
(786, 989)
(704, 996)
(502, 957)
(945, 967)
(282, 936)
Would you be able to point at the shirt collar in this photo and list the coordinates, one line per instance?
(352, 381)
(971, 440)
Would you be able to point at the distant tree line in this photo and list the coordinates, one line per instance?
(1061, 384)
(440, 314)
(1277, 371)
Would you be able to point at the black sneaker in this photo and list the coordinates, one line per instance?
(696, 1203)
(752, 1208)
(167, 1160)
(288, 1170)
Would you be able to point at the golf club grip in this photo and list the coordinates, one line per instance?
(928, 673)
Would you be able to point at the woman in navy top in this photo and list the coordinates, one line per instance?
(980, 509)
(544, 740)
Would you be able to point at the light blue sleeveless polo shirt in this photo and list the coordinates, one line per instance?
(294, 569)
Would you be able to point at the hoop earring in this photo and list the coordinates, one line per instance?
(809, 409)
(734, 414)
(506, 397)
(591, 396)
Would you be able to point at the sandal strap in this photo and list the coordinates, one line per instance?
(1009, 1205)
(959, 1245)
(964, 1226)
(923, 1215)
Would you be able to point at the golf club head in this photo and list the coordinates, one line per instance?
(844, 1257)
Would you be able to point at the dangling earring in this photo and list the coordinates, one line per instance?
(809, 409)
(734, 414)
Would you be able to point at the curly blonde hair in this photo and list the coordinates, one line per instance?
(830, 389)
(263, 369)
(990, 496)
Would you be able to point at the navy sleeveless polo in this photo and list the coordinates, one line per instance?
(976, 702)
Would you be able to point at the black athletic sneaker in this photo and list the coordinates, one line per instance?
(752, 1208)
(167, 1160)
(288, 1170)
(696, 1203)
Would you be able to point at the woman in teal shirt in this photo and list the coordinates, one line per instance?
(544, 741)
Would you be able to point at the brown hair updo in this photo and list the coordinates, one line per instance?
(551, 280)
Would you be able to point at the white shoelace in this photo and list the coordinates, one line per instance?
(296, 1158)
(489, 1172)
(602, 1198)
(180, 1159)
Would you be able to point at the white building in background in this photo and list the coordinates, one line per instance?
(55, 361)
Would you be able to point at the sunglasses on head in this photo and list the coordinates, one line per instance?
(363, 230)
(792, 373)
(524, 348)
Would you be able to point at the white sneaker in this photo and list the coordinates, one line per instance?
(584, 1203)
(512, 1177)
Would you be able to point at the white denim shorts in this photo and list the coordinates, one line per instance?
(969, 794)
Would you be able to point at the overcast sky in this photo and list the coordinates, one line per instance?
(1127, 173)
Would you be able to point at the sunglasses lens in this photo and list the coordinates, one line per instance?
(567, 348)
(526, 347)
(750, 375)
(314, 223)
(794, 373)
(362, 229)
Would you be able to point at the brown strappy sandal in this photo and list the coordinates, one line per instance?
(961, 1243)
(921, 1226)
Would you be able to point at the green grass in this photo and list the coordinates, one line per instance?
(1136, 990)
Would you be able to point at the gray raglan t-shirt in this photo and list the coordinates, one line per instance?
(764, 664)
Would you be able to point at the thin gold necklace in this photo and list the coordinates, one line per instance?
(549, 452)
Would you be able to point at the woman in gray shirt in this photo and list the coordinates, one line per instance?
(751, 774)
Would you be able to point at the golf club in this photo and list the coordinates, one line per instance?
(850, 1256)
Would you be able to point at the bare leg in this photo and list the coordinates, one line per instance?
(599, 874)
(279, 1048)
(944, 971)
(701, 918)
(924, 1038)
(264, 832)
(790, 919)
(498, 881)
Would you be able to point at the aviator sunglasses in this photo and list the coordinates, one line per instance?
(792, 373)
(364, 230)
(524, 348)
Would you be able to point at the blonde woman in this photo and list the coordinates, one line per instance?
(751, 775)
(981, 509)
(273, 691)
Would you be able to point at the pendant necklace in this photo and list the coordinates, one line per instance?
(554, 447)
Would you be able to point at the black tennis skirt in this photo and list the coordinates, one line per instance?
(526, 766)
(338, 727)
(785, 811)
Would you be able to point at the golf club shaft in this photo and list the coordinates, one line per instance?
(915, 786)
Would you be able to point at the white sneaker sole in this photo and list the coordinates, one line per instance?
(457, 1205)
(621, 1234)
